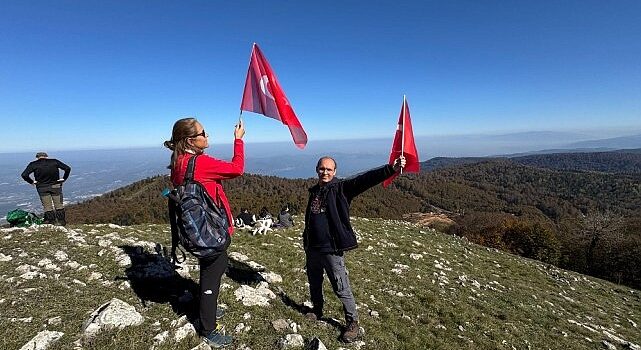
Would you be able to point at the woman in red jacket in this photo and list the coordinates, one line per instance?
(189, 138)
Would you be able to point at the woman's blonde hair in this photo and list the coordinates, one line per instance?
(182, 130)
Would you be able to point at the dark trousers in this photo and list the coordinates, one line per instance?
(334, 266)
(211, 271)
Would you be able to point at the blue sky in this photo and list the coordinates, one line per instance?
(113, 74)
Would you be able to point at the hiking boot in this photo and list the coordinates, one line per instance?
(49, 217)
(216, 339)
(61, 217)
(351, 332)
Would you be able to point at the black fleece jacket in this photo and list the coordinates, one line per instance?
(338, 196)
(45, 171)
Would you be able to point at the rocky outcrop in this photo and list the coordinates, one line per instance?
(113, 314)
(42, 340)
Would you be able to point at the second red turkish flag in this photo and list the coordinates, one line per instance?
(263, 95)
(404, 144)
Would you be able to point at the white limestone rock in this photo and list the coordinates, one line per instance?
(184, 331)
(291, 341)
(73, 264)
(239, 328)
(42, 340)
(113, 314)
(54, 321)
(242, 262)
(79, 282)
(258, 296)
(24, 268)
(60, 256)
(32, 274)
(161, 337)
(201, 346)
(179, 321)
(280, 324)
(95, 276)
(271, 277)
(315, 344)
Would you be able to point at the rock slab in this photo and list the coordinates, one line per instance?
(113, 314)
(42, 340)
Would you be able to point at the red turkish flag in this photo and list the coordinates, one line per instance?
(404, 144)
(263, 95)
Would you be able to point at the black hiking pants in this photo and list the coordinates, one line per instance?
(211, 272)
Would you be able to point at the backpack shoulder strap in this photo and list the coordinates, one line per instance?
(191, 168)
(171, 204)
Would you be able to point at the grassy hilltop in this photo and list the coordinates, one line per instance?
(415, 289)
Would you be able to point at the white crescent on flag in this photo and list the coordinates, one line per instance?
(264, 80)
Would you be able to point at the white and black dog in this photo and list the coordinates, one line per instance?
(262, 226)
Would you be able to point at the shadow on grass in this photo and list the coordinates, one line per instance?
(302, 309)
(243, 276)
(154, 279)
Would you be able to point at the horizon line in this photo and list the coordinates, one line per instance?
(629, 133)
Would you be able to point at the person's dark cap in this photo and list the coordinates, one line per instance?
(42, 155)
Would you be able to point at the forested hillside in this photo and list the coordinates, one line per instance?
(618, 162)
(142, 202)
(626, 161)
(587, 221)
(503, 186)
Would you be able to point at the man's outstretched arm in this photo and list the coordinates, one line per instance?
(358, 184)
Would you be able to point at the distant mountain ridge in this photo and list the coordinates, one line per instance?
(632, 141)
(623, 161)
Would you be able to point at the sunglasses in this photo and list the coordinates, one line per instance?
(203, 134)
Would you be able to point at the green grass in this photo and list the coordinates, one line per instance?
(453, 295)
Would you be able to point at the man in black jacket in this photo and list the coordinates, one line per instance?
(328, 233)
(49, 185)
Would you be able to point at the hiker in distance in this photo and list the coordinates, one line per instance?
(285, 219)
(246, 218)
(189, 139)
(46, 173)
(328, 234)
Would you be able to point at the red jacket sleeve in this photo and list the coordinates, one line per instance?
(215, 169)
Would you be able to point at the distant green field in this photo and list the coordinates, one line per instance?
(415, 289)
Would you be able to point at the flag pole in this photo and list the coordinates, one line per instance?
(240, 117)
(403, 131)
